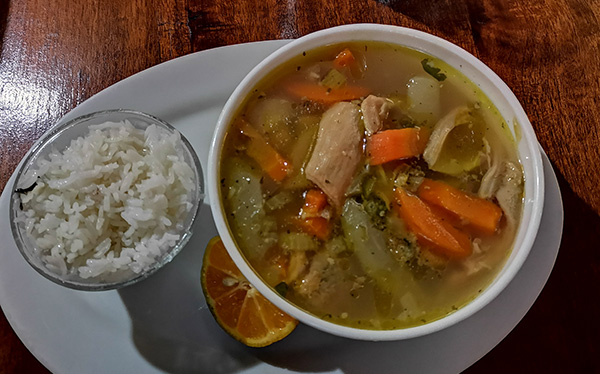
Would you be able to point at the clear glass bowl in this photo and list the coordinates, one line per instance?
(59, 138)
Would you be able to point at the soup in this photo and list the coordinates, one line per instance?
(371, 185)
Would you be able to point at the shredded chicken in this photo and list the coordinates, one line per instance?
(509, 193)
(477, 262)
(489, 182)
(503, 180)
(375, 110)
(337, 151)
(311, 282)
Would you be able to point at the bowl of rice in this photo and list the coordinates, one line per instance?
(106, 199)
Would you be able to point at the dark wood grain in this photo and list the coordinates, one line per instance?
(57, 53)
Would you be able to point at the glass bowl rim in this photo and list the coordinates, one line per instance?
(54, 133)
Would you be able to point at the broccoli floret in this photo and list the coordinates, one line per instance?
(377, 210)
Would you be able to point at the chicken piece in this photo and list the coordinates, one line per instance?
(509, 192)
(311, 282)
(490, 180)
(375, 110)
(337, 151)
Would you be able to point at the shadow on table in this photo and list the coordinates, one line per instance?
(4, 5)
(171, 325)
(174, 331)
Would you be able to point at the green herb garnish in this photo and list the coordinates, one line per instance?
(432, 70)
(282, 288)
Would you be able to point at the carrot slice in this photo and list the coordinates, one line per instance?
(439, 235)
(396, 144)
(314, 202)
(474, 212)
(264, 154)
(317, 226)
(324, 95)
(310, 219)
(445, 215)
(344, 58)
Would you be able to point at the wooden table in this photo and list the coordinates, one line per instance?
(57, 53)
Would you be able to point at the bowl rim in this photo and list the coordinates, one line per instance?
(494, 88)
(52, 134)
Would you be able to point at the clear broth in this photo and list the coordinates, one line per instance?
(262, 213)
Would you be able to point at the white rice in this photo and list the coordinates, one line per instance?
(114, 200)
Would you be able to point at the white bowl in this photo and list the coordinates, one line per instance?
(491, 85)
(58, 139)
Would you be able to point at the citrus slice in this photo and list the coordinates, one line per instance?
(237, 306)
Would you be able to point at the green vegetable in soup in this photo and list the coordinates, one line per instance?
(279, 200)
(302, 149)
(297, 182)
(245, 204)
(378, 185)
(370, 248)
(297, 241)
(334, 79)
(282, 288)
(430, 69)
(377, 209)
(408, 177)
(274, 116)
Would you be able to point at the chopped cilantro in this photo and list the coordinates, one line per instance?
(432, 70)
(282, 288)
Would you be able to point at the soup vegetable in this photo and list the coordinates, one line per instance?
(372, 185)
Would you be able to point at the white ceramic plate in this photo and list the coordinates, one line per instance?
(162, 324)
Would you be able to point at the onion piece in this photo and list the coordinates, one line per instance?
(440, 133)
